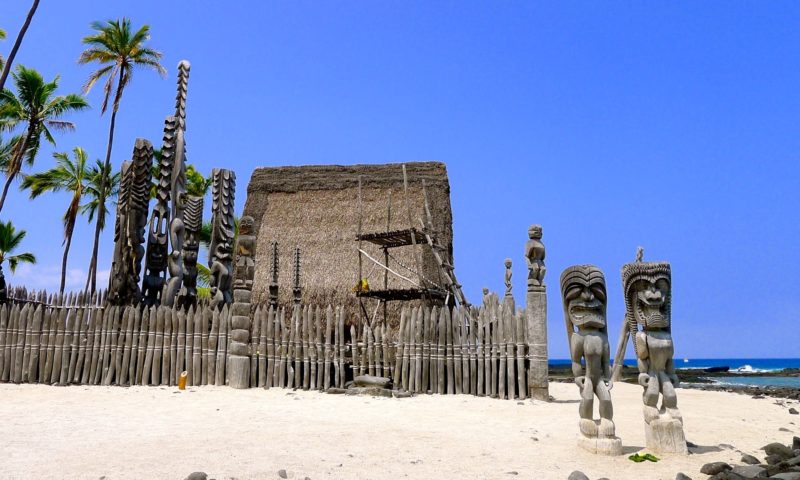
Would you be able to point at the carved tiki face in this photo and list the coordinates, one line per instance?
(583, 291)
(648, 293)
(246, 225)
(535, 232)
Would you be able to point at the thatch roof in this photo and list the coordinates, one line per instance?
(316, 208)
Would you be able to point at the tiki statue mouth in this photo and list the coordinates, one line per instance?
(587, 313)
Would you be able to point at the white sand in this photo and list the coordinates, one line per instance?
(143, 433)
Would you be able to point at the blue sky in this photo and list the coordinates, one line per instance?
(671, 125)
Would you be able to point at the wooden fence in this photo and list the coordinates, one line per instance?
(435, 350)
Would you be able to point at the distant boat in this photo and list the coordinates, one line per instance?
(716, 369)
(685, 360)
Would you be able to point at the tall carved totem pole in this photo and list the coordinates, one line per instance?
(220, 264)
(166, 221)
(132, 206)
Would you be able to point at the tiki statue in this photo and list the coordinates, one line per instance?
(648, 303)
(193, 223)
(534, 253)
(158, 237)
(175, 146)
(132, 205)
(583, 291)
(245, 253)
(222, 230)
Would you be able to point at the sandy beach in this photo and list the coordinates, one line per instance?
(159, 432)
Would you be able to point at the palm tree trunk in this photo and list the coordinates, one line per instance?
(17, 43)
(64, 263)
(15, 166)
(91, 280)
(104, 191)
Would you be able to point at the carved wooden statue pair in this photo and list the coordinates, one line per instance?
(647, 290)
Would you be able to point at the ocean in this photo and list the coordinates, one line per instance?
(749, 367)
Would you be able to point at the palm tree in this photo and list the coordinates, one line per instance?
(119, 50)
(17, 43)
(6, 152)
(10, 240)
(68, 175)
(2, 37)
(196, 184)
(37, 109)
(102, 186)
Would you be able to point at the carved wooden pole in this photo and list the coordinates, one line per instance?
(536, 316)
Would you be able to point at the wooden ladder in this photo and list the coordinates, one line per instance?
(447, 270)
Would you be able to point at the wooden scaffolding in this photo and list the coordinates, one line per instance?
(443, 290)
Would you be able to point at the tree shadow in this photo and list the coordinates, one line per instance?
(565, 401)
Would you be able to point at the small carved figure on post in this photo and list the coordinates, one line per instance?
(245, 253)
(583, 291)
(534, 254)
(508, 276)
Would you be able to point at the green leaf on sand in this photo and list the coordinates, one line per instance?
(641, 458)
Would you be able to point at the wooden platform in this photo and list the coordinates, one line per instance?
(403, 294)
(395, 238)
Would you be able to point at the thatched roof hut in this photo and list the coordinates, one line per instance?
(317, 209)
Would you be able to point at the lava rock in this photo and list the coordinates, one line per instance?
(372, 381)
(749, 459)
(773, 459)
(750, 471)
(714, 468)
(282, 473)
(197, 476)
(787, 476)
(727, 475)
(793, 411)
(577, 475)
(778, 449)
(335, 391)
(681, 476)
(796, 443)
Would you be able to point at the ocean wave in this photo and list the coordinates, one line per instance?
(750, 369)
(746, 369)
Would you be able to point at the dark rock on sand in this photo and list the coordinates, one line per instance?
(793, 411)
(577, 475)
(714, 468)
(727, 475)
(787, 476)
(749, 459)
(282, 473)
(750, 471)
(681, 476)
(773, 459)
(778, 449)
(796, 443)
(197, 476)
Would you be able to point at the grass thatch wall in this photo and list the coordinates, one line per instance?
(316, 208)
